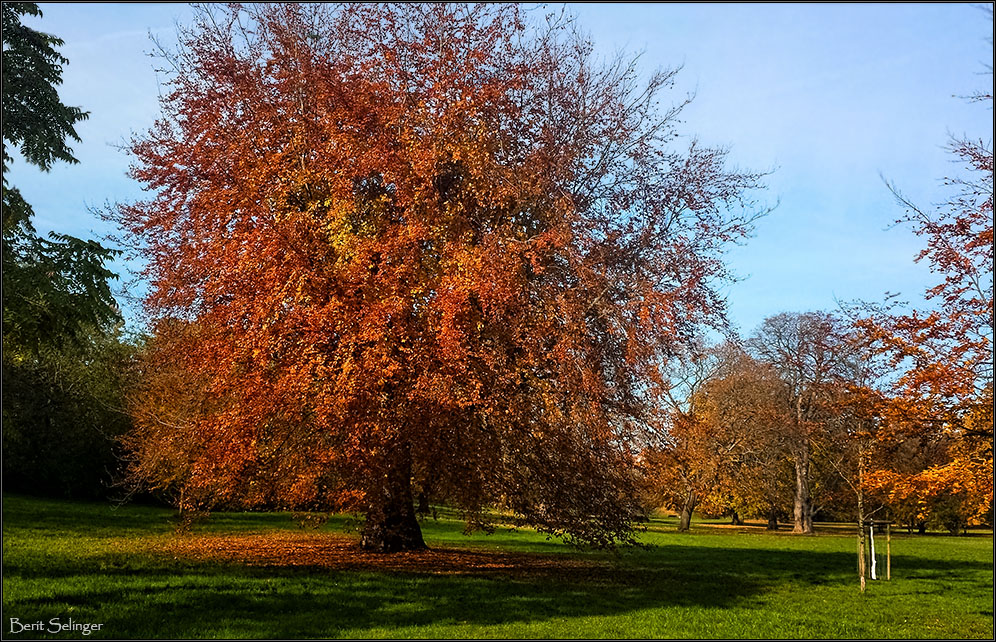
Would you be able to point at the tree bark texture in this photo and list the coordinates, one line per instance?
(802, 509)
(685, 519)
(772, 519)
(391, 524)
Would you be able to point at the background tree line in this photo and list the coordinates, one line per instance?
(796, 423)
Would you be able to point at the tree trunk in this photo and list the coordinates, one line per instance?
(735, 519)
(802, 510)
(685, 520)
(423, 504)
(861, 522)
(391, 524)
(772, 519)
(861, 557)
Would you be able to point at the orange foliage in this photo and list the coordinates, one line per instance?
(945, 392)
(415, 247)
(948, 477)
(748, 408)
(724, 448)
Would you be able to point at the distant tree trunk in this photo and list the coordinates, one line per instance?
(802, 510)
(685, 520)
(423, 504)
(921, 528)
(391, 524)
(861, 523)
(735, 519)
(861, 556)
(772, 519)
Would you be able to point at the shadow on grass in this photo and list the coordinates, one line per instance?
(56, 517)
(276, 601)
(157, 597)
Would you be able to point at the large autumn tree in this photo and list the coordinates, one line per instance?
(677, 463)
(747, 405)
(416, 247)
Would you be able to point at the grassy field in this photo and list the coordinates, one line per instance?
(260, 576)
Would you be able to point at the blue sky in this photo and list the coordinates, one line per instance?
(830, 96)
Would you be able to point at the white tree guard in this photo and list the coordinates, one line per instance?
(871, 533)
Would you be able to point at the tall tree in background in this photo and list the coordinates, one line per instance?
(63, 410)
(945, 353)
(747, 404)
(417, 246)
(676, 466)
(54, 290)
(720, 444)
(814, 358)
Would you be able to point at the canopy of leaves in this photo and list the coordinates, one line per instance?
(34, 118)
(55, 289)
(426, 235)
(742, 422)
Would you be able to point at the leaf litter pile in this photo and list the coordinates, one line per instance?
(339, 552)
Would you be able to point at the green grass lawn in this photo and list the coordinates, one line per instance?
(99, 564)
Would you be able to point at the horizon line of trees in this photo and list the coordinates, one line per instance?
(796, 422)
